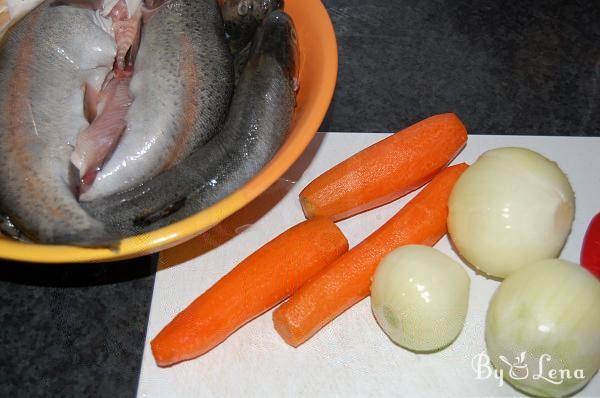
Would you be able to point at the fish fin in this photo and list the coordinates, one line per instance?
(87, 4)
(151, 217)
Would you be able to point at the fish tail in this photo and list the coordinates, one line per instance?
(96, 235)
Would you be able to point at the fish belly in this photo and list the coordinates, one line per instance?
(181, 89)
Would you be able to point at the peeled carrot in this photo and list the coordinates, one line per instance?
(257, 284)
(386, 170)
(347, 281)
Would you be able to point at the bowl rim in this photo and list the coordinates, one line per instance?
(186, 229)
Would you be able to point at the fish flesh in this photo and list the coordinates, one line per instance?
(258, 121)
(181, 89)
(175, 100)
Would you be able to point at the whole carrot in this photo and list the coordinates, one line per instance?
(386, 170)
(346, 281)
(254, 286)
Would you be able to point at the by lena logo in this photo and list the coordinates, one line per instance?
(520, 369)
(482, 365)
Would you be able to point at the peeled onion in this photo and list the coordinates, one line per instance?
(544, 320)
(512, 207)
(419, 297)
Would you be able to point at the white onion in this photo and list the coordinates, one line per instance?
(512, 207)
(550, 311)
(419, 296)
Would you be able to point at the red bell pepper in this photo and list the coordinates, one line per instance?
(590, 252)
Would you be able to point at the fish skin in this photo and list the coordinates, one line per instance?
(44, 63)
(181, 88)
(258, 121)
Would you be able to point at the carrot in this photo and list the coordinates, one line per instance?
(347, 281)
(386, 170)
(255, 285)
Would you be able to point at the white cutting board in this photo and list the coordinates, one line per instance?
(351, 357)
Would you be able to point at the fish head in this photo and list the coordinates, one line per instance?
(243, 17)
(276, 38)
(240, 10)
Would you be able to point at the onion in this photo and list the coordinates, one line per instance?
(543, 328)
(510, 208)
(419, 296)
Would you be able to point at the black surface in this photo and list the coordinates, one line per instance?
(73, 330)
(517, 67)
(504, 67)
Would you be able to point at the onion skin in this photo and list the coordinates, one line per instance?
(419, 297)
(512, 207)
(550, 307)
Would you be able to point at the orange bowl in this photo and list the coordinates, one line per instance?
(318, 74)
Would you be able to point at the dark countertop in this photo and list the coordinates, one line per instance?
(504, 67)
(518, 67)
(73, 330)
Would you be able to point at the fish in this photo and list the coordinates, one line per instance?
(258, 121)
(181, 89)
(44, 62)
(60, 68)
(242, 18)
